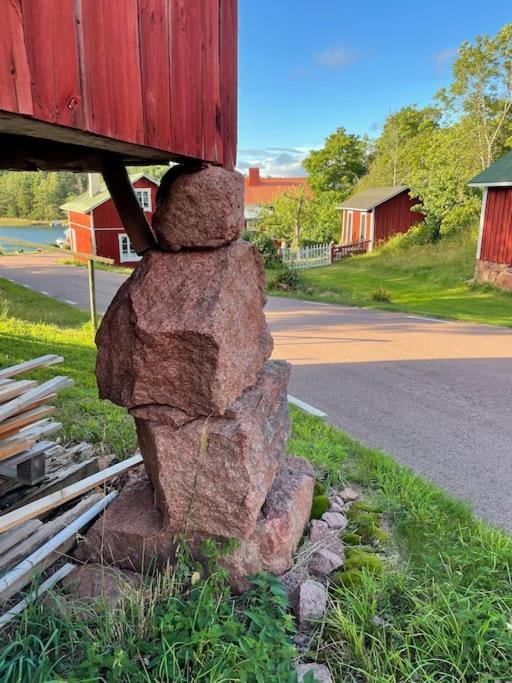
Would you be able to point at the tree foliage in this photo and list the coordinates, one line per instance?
(37, 195)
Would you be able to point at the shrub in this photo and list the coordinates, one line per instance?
(264, 244)
(382, 295)
(462, 218)
(284, 279)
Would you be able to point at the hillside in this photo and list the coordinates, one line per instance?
(423, 279)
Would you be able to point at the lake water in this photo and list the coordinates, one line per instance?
(43, 234)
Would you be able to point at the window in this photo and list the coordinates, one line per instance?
(349, 227)
(126, 251)
(144, 197)
(362, 229)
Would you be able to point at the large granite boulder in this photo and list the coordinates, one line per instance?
(200, 209)
(186, 330)
(211, 475)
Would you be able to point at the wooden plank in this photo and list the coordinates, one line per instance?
(27, 399)
(15, 91)
(15, 446)
(16, 389)
(111, 68)
(20, 607)
(156, 78)
(29, 365)
(15, 536)
(52, 54)
(60, 479)
(212, 134)
(186, 96)
(35, 509)
(50, 552)
(46, 531)
(13, 424)
(229, 78)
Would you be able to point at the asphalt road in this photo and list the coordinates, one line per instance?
(436, 395)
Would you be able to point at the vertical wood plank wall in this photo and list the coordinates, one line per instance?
(497, 235)
(158, 73)
(395, 216)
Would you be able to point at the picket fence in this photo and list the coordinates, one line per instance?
(307, 257)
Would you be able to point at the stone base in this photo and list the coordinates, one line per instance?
(496, 274)
(130, 534)
(212, 475)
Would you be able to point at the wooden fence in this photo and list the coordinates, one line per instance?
(320, 254)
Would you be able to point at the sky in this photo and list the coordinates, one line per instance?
(307, 68)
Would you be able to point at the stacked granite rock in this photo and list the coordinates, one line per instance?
(185, 347)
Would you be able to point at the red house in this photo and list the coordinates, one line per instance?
(261, 191)
(371, 217)
(494, 249)
(95, 225)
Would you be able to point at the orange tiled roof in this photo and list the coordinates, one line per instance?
(263, 190)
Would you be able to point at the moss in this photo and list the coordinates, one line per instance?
(348, 579)
(364, 506)
(362, 518)
(320, 505)
(361, 559)
(319, 489)
(352, 538)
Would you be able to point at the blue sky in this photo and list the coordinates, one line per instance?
(306, 68)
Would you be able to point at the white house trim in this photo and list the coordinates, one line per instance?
(482, 223)
(372, 229)
(502, 183)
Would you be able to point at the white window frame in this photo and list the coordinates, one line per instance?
(127, 254)
(362, 231)
(144, 198)
(350, 221)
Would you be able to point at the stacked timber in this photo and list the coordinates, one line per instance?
(48, 492)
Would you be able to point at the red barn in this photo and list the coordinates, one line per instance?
(494, 250)
(371, 217)
(95, 225)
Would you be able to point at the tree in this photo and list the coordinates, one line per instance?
(391, 164)
(481, 92)
(339, 164)
(297, 218)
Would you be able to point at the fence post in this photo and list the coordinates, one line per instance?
(92, 292)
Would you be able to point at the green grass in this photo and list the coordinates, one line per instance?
(426, 280)
(441, 611)
(22, 221)
(123, 270)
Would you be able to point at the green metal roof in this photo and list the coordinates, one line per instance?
(499, 173)
(85, 203)
(369, 199)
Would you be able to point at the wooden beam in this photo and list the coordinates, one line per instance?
(28, 398)
(29, 365)
(38, 507)
(14, 424)
(15, 536)
(132, 215)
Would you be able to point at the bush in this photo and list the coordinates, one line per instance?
(462, 218)
(284, 279)
(382, 295)
(264, 244)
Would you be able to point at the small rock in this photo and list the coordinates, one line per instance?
(335, 520)
(312, 602)
(317, 530)
(336, 508)
(98, 581)
(301, 641)
(320, 672)
(349, 495)
(323, 562)
(337, 500)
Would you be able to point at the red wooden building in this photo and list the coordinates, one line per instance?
(494, 250)
(95, 226)
(100, 84)
(371, 217)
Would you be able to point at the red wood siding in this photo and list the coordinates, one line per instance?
(107, 244)
(157, 73)
(497, 234)
(106, 216)
(395, 216)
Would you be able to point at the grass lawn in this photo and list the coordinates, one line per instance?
(427, 280)
(439, 611)
(123, 270)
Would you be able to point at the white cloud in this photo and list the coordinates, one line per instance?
(444, 58)
(335, 57)
(284, 162)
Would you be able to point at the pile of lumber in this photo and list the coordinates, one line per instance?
(48, 492)
(25, 419)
